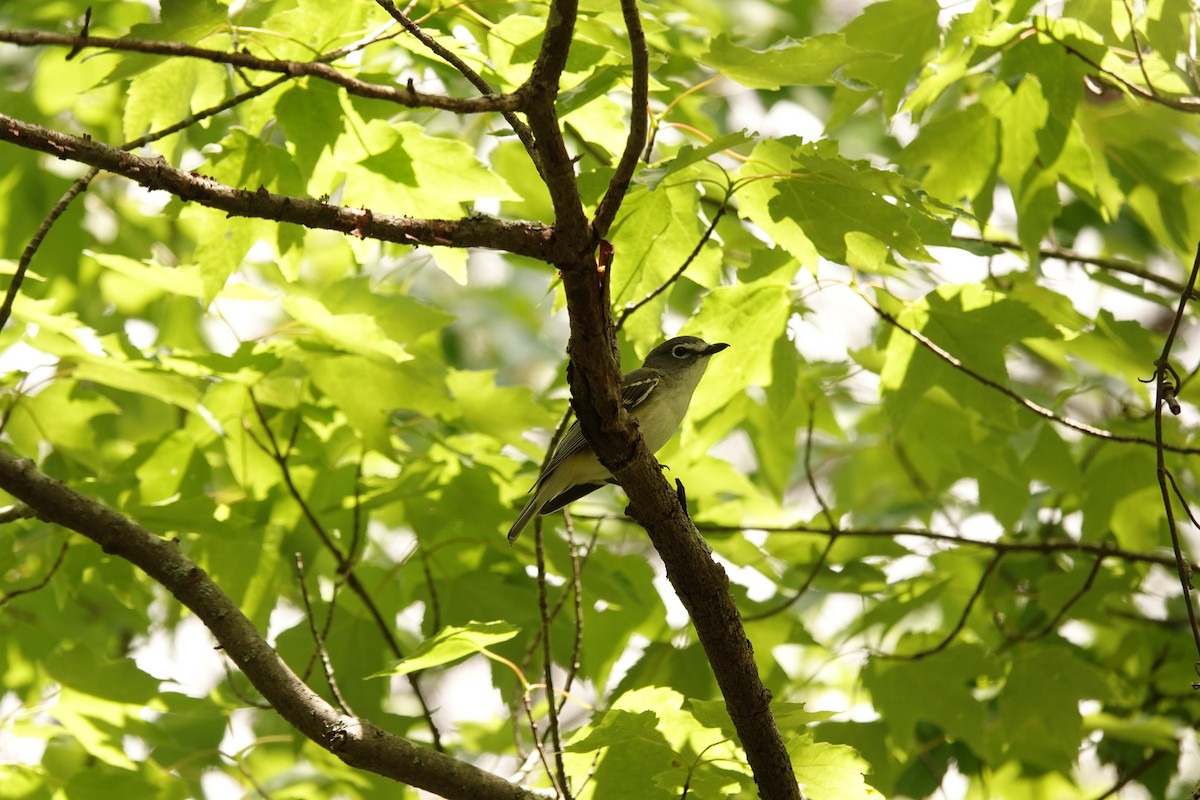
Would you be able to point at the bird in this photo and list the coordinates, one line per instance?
(657, 395)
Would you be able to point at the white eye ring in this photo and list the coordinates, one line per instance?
(679, 351)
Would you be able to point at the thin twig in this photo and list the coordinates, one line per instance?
(1183, 501)
(808, 470)
(1046, 547)
(1187, 104)
(1164, 390)
(356, 525)
(1053, 624)
(406, 96)
(319, 640)
(231, 682)
(564, 787)
(15, 512)
(1137, 47)
(804, 587)
(435, 606)
(1133, 774)
(83, 35)
(537, 744)
(957, 629)
(35, 242)
(1021, 400)
(344, 566)
(687, 262)
(41, 582)
(639, 120)
(576, 592)
(559, 604)
(824, 556)
(656, 119)
(1071, 256)
(516, 123)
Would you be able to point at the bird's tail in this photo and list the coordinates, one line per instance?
(527, 513)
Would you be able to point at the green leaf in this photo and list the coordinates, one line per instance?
(936, 689)
(812, 61)
(595, 85)
(161, 475)
(452, 643)
(414, 386)
(117, 680)
(907, 29)
(829, 771)
(812, 202)
(168, 92)
(408, 170)
(749, 317)
(1154, 732)
(1039, 706)
(616, 727)
(973, 136)
(359, 334)
(652, 238)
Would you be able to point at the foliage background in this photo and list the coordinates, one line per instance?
(940, 218)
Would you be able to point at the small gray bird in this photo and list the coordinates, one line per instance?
(657, 395)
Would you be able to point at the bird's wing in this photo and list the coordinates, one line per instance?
(572, 442)
(635, 388)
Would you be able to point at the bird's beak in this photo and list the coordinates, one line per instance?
(713, 349)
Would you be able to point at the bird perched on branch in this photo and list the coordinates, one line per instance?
(657, 395)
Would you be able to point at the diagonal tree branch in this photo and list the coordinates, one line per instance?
(1065, 254)
(522, 238)
(1021, 400)
(606, 211)
(700, 582)
(357, 742)
(538, 101)
(519, 127)
(1188, 104)
(407, 96)
(958, 626)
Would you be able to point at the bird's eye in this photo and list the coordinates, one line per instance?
(680, 351)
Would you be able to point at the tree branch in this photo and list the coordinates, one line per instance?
(958, 626)
(357, 742)
(345, 561)
(700, 583)
(407, 96)
(1166, 385)
(35, 242)
(1064, 254)
(519, 128)
(558, 168)
(1188, 104)
(522, 238)
(1100, 549)
(1041, 411)
(606, 211)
